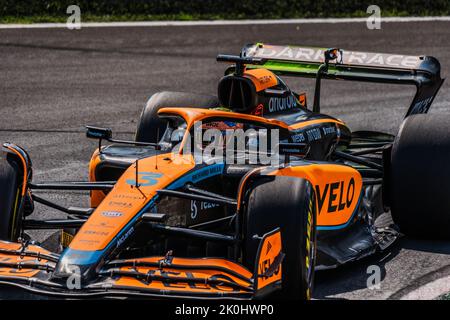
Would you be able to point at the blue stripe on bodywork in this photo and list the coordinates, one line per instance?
(81, 257)
(342, 226)
(198, 175)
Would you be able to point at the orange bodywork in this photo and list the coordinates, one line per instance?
(97, 196)
(212, 275)
(21, 261)
(205, 268)
(194, 114)
(125, 200)
(320, 175)
(338, 189)
(191, 115)
(24, 166)
(261, 78)
(269, 252)
(313, 122)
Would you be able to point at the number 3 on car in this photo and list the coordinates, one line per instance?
(145, 179)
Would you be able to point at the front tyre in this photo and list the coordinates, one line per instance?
(288, 203)
(10, 219)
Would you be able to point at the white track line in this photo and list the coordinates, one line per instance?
(430, 290)
(219, 22)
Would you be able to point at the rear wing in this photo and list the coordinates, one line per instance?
(421, 71)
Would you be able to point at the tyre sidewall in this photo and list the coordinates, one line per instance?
(10, 199)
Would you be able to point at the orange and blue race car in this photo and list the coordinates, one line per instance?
(170, 217)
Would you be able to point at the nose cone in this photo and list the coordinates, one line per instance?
(114, 221)
(76, 266)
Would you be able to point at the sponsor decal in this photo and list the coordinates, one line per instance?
(102, 224)
(269, 247)
(265, 266)
(270, 260)
(314, 134)
(299, 137)
(340, 195)
(127, 196)
(280, 104)
(89, 242)
(329, 130)
(197, 206)
(265, 79)
(146, 179)
(258, 111)
(205, 173)
(422, 106)
(348, 57)
(194, 210)
(123, 238)
(223, 125)
(96, 233)
(120, 204)
(302, 99)
(112, 214)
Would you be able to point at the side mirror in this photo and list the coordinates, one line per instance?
(98, 133)
(106, 134)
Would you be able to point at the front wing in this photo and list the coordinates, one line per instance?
(31, 267)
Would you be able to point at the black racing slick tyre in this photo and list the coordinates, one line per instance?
(287, 203)
(149, 122)
(9, 200)
(419, 177)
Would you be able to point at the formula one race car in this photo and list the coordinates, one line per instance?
(170, 217)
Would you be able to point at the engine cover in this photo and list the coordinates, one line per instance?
(258, 92)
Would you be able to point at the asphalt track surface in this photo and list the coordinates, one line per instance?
(55, 81)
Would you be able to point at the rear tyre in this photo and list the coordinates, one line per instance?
(9, 200)
(288, 203)
(150, 123)
(419, 177)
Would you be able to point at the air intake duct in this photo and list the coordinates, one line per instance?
(237, 93)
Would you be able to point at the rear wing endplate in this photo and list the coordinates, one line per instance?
(421, 71)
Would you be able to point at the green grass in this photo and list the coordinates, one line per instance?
(184, 17)
(104, 18)
(444, 297)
